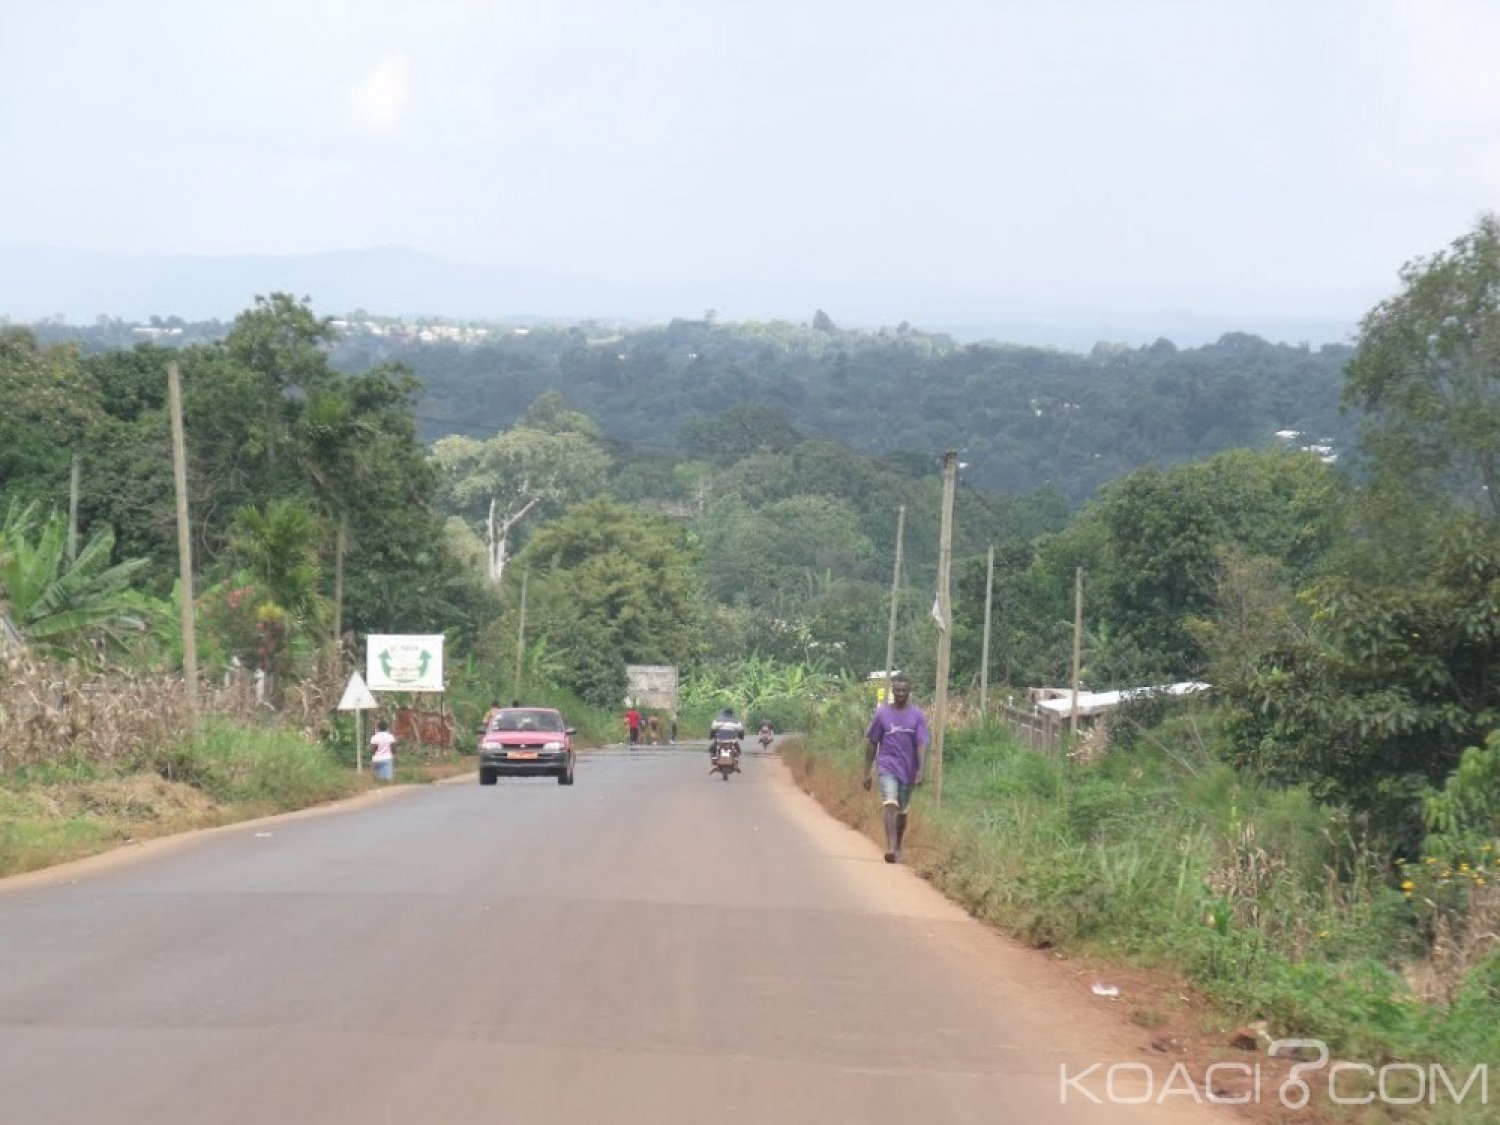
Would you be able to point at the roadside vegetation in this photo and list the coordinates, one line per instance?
(1277, 907)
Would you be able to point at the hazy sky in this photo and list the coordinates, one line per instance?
(1257, 156)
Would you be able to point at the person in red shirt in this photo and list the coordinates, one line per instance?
(633, 726)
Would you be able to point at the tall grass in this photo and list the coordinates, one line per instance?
(260, 768)
(1273, 905)
(68, 807)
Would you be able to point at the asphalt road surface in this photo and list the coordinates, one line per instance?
(653, 945)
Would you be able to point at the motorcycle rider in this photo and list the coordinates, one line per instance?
(767, 732)
(725, 726)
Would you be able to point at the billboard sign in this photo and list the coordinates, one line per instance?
(404, 663)
(651, 685)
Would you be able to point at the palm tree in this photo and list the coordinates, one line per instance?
(280, 544)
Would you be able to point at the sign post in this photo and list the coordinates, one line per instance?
(357, 698)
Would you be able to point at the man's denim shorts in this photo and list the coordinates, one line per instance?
(893, 792)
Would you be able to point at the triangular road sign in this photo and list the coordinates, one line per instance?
(357, 697)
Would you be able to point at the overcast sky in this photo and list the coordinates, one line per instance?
(1264, 158)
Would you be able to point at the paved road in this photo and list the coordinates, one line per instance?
(652, 945)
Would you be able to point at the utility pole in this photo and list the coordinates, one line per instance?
(521, 635)
(1077, 640)
(984, 659)
(890, 633)
(340, 546)
(184, 539)
(73, 511)
(945, 620)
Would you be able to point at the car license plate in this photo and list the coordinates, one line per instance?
(521, 754)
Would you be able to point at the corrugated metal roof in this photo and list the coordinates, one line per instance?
(1097, 702)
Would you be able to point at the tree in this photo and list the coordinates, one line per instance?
(280, 545)
(1427, 373)
(1377, 699)
(48, 408)
(624, 575)
(1167, 532)
(497, 483)
(285, 344)
(749, 427)
(549, 413)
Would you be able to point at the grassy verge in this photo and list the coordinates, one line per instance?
(1160, 857)
(68, 809)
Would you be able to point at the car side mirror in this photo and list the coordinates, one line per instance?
(571, 731)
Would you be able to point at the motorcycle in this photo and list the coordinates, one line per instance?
(765, 739)
(726, 757)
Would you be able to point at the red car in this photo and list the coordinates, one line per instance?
(526, 742)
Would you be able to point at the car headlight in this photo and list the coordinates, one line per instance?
(552, 747)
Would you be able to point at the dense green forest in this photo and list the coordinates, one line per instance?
(1023, 418)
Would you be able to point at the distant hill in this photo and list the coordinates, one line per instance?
(1024, 418)
(79, 286)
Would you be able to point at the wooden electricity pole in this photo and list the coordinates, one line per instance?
(945, 621)
(184, 539)
(521, 635)
(1077, 640)
(890, 633)
(984, 658)
(340, 548)
(73, 511)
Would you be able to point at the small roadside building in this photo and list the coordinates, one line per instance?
(1058, 702)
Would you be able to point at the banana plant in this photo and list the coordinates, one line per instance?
(59, 604)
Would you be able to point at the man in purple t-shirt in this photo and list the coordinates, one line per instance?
(897, 750)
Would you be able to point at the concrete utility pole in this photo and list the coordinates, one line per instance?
(984, 658)
(1077, 639)
(184, 539)
(521, 635)
(890, 633)
(945, 620)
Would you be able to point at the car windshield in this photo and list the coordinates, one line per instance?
(527, 720)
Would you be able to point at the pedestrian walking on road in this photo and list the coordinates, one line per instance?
(633, 726)
(896, 749)
(382, 752)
